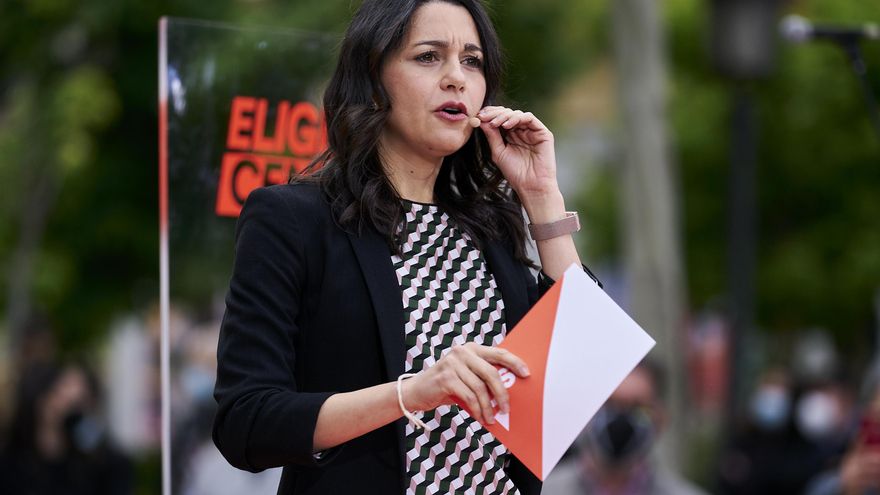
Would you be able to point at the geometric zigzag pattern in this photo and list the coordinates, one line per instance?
(449, 298)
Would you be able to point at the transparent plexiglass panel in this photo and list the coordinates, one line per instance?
(239, 109)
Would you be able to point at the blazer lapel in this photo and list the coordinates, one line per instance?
(374, 258)
(508, 275)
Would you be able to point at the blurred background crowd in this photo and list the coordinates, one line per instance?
(728, 182)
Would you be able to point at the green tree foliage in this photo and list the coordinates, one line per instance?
(546, 43)
(78, 110)
(78, 146)
(78, 122)
(818, 174)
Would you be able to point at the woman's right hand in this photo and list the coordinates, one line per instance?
(466, 375)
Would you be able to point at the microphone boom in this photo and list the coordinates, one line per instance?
(798, 29)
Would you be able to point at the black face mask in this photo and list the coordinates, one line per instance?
(621, 435)
(84, 433)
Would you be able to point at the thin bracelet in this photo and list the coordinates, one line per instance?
(411, 416)
(566, 225)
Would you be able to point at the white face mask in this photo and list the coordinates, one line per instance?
(770, 407)
(197, 383)
(817, 415)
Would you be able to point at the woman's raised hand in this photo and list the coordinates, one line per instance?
(465, 375)
(523, 149)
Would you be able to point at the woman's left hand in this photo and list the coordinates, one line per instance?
(525, 152)
(522, 147)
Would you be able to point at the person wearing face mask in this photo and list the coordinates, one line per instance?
(770, 405)
(792, 431)
(820, 414)
(857, 472)
(613, 455)
(56, 442)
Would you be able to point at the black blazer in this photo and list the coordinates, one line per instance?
(311, 311)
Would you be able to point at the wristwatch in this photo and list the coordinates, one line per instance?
(567, 225)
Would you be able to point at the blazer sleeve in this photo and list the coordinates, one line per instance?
(545, 282)
(263, 420)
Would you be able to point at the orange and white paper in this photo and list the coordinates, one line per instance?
(579, 345)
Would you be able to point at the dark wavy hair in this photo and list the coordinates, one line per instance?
(469, 186)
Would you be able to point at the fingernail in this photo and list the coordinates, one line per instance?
(475, 122)
(490, 420)
(505, 408)
(524, 370)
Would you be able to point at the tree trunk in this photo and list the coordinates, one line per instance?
(39, 200)
(652, 244)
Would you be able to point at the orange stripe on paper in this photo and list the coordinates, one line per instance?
(530, 340)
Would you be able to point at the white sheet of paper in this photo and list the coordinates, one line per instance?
(579, 345)
(595, 346)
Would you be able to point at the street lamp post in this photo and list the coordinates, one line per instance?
(744, 50)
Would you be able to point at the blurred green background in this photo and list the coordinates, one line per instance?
(78, 161)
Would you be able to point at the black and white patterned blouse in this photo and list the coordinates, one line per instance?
(449, 298)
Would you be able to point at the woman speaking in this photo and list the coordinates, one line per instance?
(366, 297)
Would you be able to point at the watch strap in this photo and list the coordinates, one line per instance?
(543, 231)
